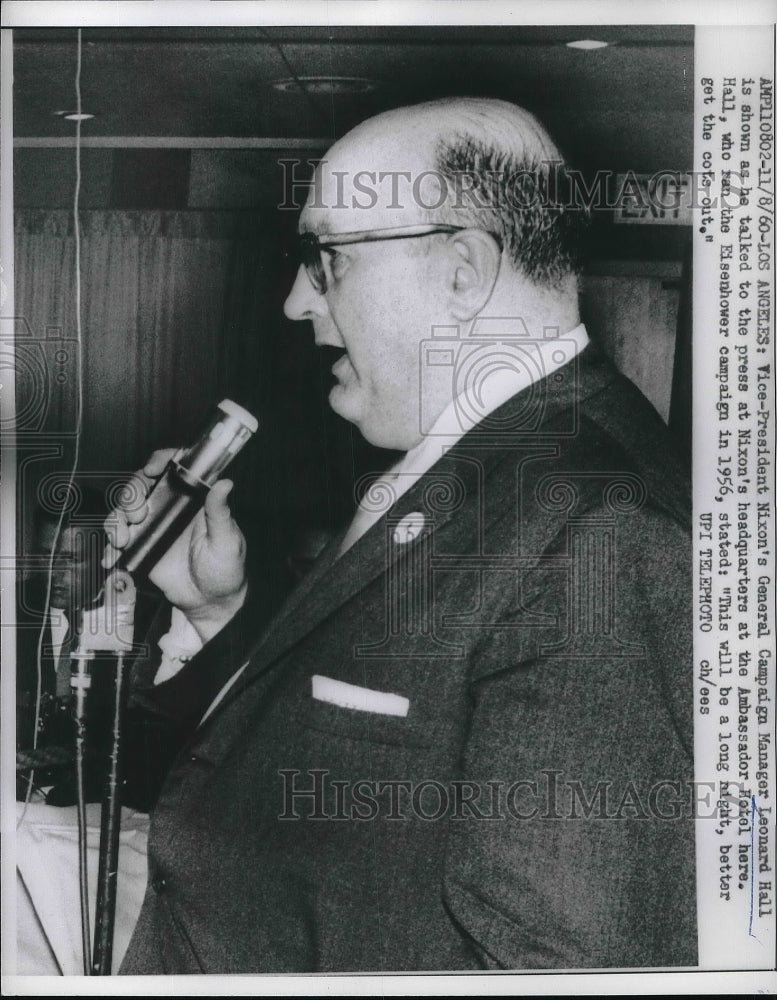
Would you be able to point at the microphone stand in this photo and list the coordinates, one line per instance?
(110, 825)
(107, 628)
(172, 503)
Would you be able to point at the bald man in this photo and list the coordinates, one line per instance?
(466, 740)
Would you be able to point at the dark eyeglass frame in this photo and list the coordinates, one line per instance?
(311, 245)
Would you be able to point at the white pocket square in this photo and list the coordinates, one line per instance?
(359, 698)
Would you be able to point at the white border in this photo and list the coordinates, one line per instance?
(195, 13)
(25, 13)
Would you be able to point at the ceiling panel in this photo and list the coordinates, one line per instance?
(629, 105)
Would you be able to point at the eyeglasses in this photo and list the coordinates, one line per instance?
(311, 245)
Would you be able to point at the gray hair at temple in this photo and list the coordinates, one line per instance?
(504, 174)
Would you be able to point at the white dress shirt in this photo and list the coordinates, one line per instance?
(58, 625)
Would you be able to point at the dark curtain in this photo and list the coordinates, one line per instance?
(179, 310)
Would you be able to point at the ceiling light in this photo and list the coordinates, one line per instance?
(74, 116)
(327, 85)
(587, 44)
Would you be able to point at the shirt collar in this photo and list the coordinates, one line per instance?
(534, 360)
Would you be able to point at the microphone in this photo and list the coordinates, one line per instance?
(181, 490)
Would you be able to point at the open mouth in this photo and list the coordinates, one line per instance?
(341, 369)
(331, 357)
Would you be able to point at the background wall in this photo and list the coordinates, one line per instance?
(183, 261)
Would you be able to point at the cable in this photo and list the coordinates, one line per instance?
(86, 936)
(69, 491)
(78, 424)
(319, 109)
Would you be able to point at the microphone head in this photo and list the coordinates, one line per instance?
(229, 429)
(239, 413)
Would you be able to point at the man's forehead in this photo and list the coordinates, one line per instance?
(364, 185)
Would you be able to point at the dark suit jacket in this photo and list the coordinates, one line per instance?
(540, 629)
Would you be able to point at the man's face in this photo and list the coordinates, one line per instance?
(75, 569)
(382, 300)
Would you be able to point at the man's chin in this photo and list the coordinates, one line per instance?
(342, 402)
(341, 399)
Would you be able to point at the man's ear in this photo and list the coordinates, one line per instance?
(476, 260)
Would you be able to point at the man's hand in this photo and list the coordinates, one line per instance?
(203, 571)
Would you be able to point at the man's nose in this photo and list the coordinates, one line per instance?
(303, 301)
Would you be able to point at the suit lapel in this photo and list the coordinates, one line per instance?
(333, 582)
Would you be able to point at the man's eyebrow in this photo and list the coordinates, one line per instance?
(315, 224)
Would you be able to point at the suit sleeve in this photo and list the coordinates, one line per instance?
(590, 861)
(185, 697)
